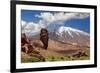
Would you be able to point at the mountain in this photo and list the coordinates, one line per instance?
(65, 44)
(66, 35)
(71, 36)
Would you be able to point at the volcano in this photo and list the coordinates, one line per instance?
(71, 36)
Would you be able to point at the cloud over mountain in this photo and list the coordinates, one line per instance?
(58, 18)
(28, 27)
(48, 19)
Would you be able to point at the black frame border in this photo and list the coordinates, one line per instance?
(13, 35)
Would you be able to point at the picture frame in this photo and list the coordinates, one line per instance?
(18, 9)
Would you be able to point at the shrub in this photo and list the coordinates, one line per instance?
(33, 59)
(62, 58)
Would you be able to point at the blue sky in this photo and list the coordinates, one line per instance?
(79, 21)
(81, 24)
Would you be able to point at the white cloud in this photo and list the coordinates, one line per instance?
(30, 27)
(53, 19)
(23, 23)
(48, 18)
(81, 15)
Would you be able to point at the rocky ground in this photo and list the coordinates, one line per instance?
(57, 51)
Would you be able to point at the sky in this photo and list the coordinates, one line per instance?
(34, 20)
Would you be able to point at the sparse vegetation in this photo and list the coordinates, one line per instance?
(55, 52)
(34, 59)
(49, 55)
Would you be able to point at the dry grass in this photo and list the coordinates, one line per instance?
(56, 52)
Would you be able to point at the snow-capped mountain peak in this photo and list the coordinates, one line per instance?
(70, 31)
(70, 35)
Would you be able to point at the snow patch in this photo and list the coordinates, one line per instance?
(69, 30)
